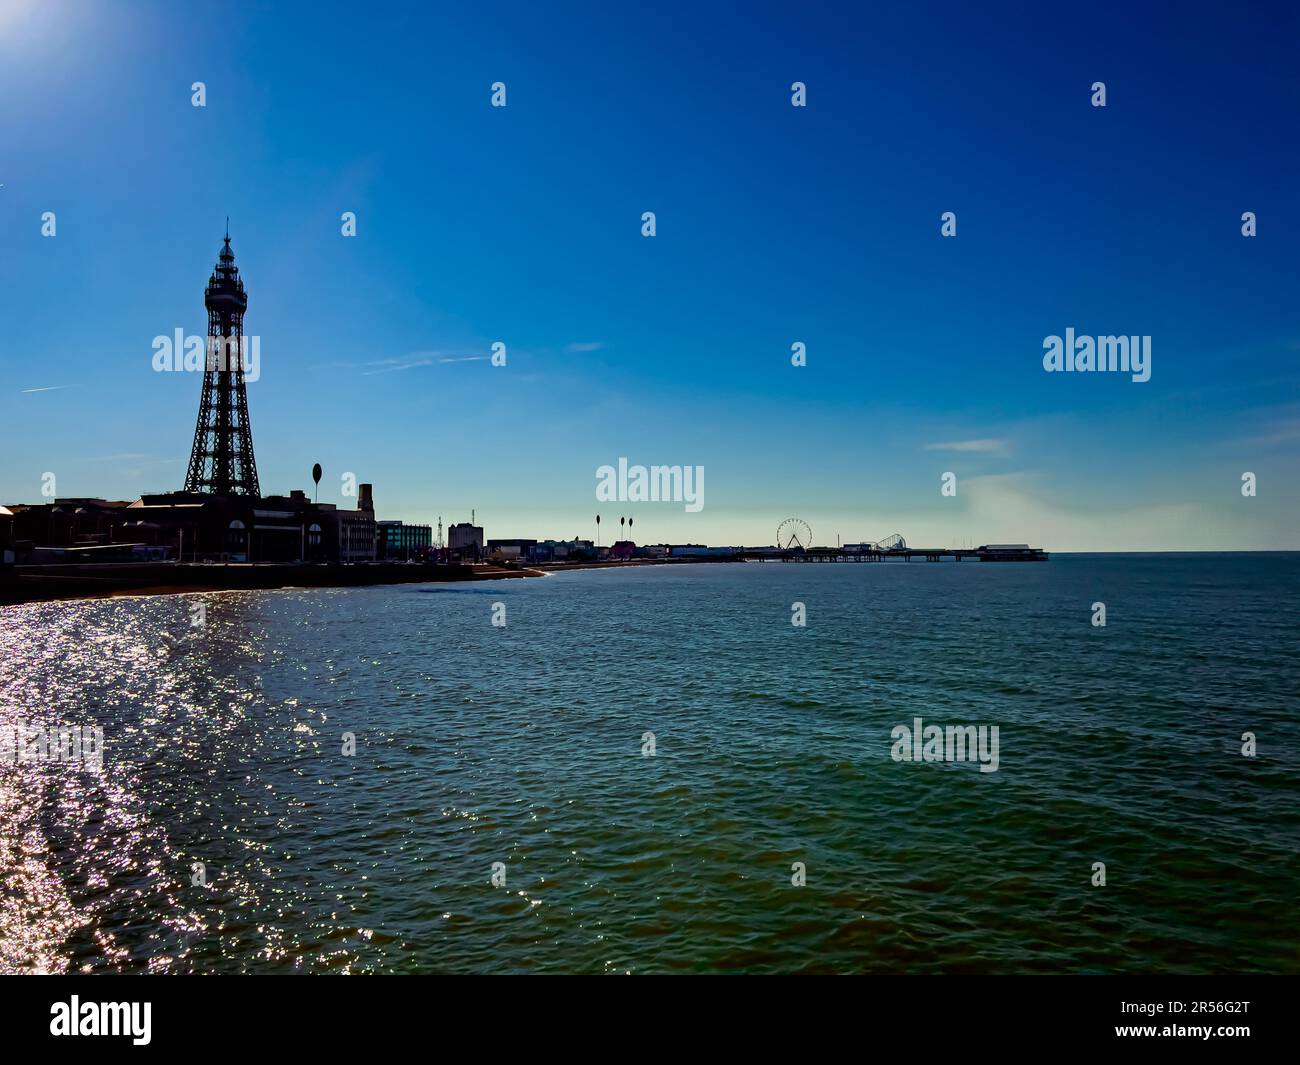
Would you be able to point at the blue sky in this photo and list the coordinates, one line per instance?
(774, 224)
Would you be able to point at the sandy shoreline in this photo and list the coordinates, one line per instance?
(56, 583)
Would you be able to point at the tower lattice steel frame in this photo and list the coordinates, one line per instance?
(222, 461)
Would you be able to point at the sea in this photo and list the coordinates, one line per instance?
(664, 769)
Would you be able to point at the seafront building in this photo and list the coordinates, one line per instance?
(510, 550)
(465, 542)
(701, 551)
(66, 521)
(399, 540)
(562, 551)
(6, 536)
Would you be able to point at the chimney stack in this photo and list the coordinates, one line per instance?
(366, 500)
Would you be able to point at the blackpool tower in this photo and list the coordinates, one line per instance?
(222, 462)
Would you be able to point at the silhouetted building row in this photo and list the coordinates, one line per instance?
(196, 526)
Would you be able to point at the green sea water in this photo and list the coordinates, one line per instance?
(520, 751)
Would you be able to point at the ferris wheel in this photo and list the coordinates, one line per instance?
(793, 532)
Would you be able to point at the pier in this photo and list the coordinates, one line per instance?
(899, 553)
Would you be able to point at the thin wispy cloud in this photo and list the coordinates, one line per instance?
(394, 365)
(595, 345)
(138, 461)
(47, 388)
(987, 446)
(1285, 431)
(412, 361)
